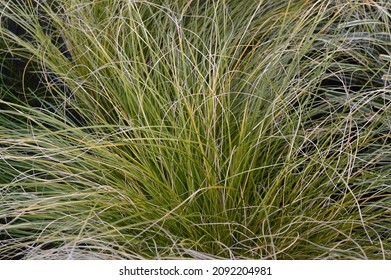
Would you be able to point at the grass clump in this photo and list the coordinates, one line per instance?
(195, 129)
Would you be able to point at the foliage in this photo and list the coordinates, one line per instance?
(195, 129)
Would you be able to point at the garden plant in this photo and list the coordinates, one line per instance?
(189, 129)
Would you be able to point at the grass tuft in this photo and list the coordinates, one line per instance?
(195, 129)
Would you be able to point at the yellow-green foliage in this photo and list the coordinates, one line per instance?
(196, 129)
